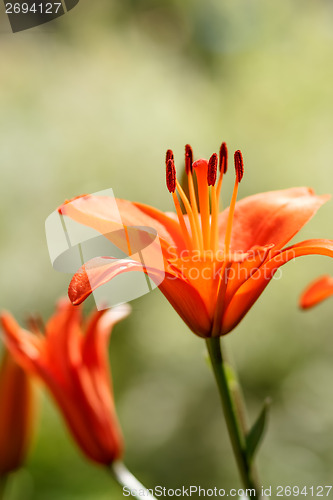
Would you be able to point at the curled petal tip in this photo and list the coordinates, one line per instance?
(71, 200)
(316, 292)
(79, 288)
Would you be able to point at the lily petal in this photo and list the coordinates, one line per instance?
(16, 416)
(272, 217)
(187, 302)
(249, 292)
(94, 348)
(181, 295)
(167, 219)
(63, 340)
(101, 270)
(316, 292)
(98, 212)
(24, 346)
(241, 271)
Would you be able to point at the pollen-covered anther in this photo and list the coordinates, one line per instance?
(171, 175)
(223, 163)
(169, 156)
(188, 158)
(212, 169)
(239, 165)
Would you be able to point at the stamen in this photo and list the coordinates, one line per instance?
(211, 171)
(239, 165)
(170, 175)
(239, 168)
(182, 221)
(211, 179)
(188, 158)
(223, 166)
(190, 214)
(193, 198)
(171, 181)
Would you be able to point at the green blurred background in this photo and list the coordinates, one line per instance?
(91, 101)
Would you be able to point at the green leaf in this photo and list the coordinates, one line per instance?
(255, 434)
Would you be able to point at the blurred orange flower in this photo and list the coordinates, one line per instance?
(16, 414)
(319, 290)
(75, 369)
(216, 264)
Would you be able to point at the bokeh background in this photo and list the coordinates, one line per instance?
(92, 100)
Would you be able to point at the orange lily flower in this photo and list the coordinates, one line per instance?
(216, 264)
(319, 290)
(75, 369)
(16, 413)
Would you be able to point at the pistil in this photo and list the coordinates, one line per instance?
(201, 169)
(190, 214)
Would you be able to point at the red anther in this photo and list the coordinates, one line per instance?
(171, 176)
(223, 164)
(239, 165)
(212, 168)
(188, 158)
(169, 156)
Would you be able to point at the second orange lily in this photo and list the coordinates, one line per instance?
(75, 369)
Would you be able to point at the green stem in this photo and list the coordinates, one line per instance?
(3, 483)
(126, 480)
(235, 426)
